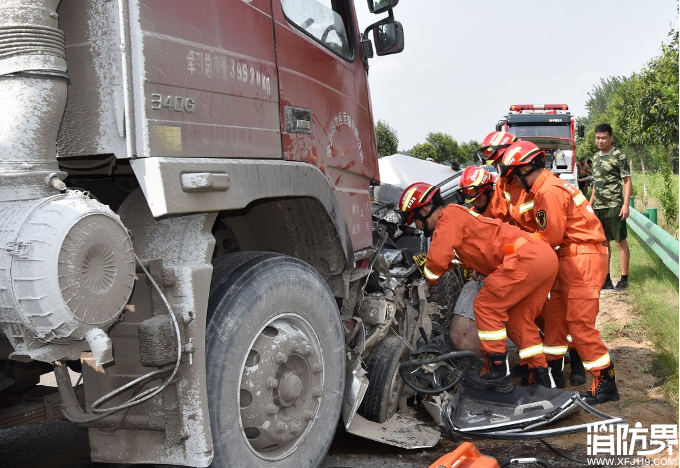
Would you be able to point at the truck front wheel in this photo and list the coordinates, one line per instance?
(275, 362)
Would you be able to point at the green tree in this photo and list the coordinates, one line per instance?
(600, 98)
(444, 145)
(467, 151)
(424, 151)
(660, 115)
(597, 104)
(660, 98)
(386, 139)
(626, 114)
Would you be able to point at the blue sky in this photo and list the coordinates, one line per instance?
(467, 61)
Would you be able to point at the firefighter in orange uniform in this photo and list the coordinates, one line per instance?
(520, 270)
(568, 223)
(510, 203)
(476, 186)
(513, 204)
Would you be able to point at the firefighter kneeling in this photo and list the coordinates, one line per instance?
(520, 269)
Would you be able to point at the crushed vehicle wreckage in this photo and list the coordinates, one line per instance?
(414, 359)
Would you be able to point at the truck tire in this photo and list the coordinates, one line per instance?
(445, 293)
(381, 400)
(275, 362)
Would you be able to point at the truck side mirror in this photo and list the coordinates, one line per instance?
(581, 129)
(388, 38)
(500, 125)
(380, 6)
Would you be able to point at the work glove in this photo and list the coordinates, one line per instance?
(420, 260)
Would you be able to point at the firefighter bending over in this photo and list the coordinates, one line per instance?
(568, 223)
(520, 269)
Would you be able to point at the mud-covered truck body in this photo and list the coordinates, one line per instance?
(552, 128)
(185, 218)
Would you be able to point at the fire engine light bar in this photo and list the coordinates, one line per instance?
(535, 107)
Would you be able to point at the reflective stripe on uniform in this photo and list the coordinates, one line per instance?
(492, 335)
(473, 213)
(530, 351)
(569, 339)
(429, 275)
(601, 362)
(579, 198)
(507, 196)
(555, 350)
(524, 207)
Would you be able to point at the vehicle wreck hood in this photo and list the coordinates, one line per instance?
(399, 171)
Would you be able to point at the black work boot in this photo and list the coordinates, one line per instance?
(557, 372)
(495, 375)
(621, 285)
(539, 376)
(603, 387)
(578, 372)
(521, 370)
(608, 283)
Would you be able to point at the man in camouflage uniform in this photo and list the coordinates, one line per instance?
(609, 200)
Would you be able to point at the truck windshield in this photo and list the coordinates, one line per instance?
(558, 131)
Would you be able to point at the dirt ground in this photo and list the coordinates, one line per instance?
(641, 399)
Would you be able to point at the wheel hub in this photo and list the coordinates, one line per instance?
(290, 388)
(281, 385)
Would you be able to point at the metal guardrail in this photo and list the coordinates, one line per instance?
(662, 243)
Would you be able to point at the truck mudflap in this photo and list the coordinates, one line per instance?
(515, 415)
(401, 430)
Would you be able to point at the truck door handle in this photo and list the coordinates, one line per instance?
(297, 120)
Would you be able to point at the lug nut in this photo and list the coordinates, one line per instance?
(308, 416)
(281, 358)
(281, 427)
(317, 392)
(272, 409)
(317, 368)
(295, 428)
(272, 382)
(307, 350)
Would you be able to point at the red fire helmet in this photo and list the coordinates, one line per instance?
(415, 197)
(494, 146)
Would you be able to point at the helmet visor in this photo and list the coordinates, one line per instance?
(488, 154)
(470, 193)
(510, 171)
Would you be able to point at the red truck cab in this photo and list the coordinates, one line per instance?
(158, 153)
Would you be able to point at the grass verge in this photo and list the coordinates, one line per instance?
(653, 294)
